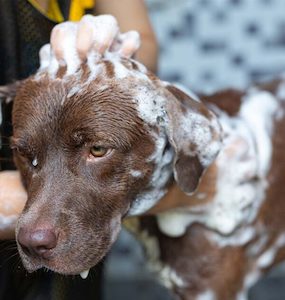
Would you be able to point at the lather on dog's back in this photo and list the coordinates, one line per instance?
(98, 141)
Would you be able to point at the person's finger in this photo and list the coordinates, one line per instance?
(96, 34)
(63, 44)
(130, 43)
(45, 56)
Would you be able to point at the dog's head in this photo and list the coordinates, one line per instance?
(95, 146)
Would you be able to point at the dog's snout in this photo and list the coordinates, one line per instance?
(37, 242)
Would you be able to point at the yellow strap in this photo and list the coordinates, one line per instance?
(53, 12)
(77, 9)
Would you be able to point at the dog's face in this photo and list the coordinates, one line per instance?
(98, 145)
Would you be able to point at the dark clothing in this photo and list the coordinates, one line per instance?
(23, 30)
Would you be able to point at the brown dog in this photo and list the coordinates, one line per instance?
(110, 140)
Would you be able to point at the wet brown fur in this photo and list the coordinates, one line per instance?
(80, 199)
(201, 263)
(77, 199)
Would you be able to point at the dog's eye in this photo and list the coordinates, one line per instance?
(98, 151)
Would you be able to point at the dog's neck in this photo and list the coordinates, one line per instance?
(175, 198)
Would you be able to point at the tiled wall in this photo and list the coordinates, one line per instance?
(210, 44)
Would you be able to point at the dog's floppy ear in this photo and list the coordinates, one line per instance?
(8, 92)
(195, 134)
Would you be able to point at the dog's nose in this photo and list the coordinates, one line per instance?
(38, 242)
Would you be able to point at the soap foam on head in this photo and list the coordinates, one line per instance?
(97, 36)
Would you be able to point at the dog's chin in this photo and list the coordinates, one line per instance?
(59, 265)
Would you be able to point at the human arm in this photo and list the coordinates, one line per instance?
(133, 15)
(12, 200)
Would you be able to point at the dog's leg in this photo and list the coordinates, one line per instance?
(195, 266)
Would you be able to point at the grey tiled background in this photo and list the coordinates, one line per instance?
(210, 44)
(206, 45)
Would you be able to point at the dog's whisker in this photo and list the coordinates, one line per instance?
(6, 159)
(17, 264)
(9, 244)
(8, 248)
(10, 257)
(4, 142)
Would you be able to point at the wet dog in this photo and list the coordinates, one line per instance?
(104, 139)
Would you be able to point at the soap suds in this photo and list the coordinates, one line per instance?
(136, 173)
(97, 34)
(162, 159)
(207, 295)
(242, 172)
(166, 274)
(267, 258)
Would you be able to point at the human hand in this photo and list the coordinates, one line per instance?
(12, 200)
(93, 37)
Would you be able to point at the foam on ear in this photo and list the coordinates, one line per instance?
(195, 134)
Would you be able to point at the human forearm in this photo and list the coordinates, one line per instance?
(12, 201)
(133, 15)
